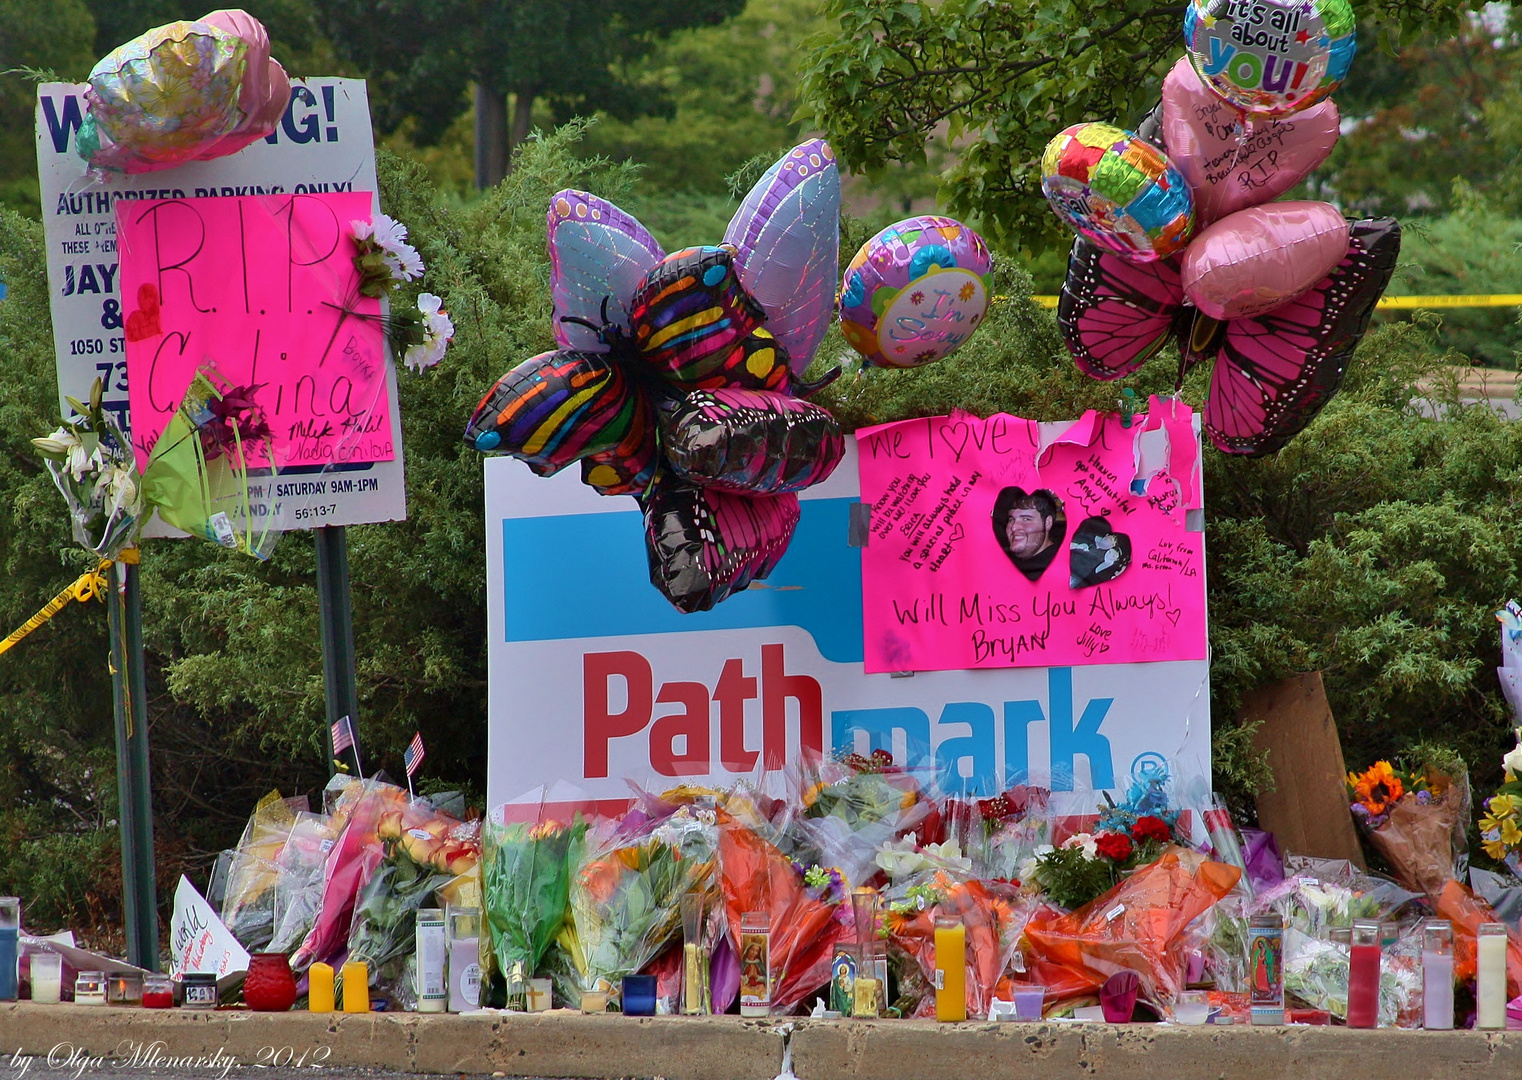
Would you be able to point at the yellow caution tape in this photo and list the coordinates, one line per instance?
(90, 585)
(1392, 303)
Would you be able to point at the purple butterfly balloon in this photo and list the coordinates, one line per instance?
(1273, 372)
(680, 324)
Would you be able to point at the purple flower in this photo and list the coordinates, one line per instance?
(1423, 798)
(1360, 810)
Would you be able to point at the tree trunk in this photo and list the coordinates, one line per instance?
(523, 115)
(491, 136)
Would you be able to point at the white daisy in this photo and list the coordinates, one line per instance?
(438, 331)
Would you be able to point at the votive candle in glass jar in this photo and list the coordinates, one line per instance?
(1363, 975)
(158, 992)
(756, 963)
(198, 990)
(1490, 975)
(47, 978)
(90, 988)
(1437, 975)
(124, 988)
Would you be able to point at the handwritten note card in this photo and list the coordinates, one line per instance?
(264, 289)
(1008, 543)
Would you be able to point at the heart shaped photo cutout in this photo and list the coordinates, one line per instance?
(1097, 553)
(1029, 528)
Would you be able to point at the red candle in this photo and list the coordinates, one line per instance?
(1363, 976)
(158, 999)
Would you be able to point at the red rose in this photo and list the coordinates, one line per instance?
(1151, 828)
(997, 807)
(1113, 846)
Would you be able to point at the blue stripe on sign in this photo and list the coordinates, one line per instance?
(585, 575)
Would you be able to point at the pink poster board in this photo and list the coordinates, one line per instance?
(1007, 543)
(263, 288)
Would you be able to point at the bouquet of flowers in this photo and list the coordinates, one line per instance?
(852, 806)
(1137, 926)
(417, 860)
(1007, 830)
(301, 861)
(253, 875)
(1501, 825)
(526, 885)
(994, 915)
(1467, 911)
(1087, 865)
(804, 903)
(1416, 819)
(93, 466)
(626, 894)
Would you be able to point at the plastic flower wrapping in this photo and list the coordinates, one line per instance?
(93, 466)
(185, 91)
(625, 900)
(526, 885)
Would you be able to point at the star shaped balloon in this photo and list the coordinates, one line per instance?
(678, 377)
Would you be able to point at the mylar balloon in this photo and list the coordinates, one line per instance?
(689, 313)
(705, 544)
(1256, 259)
(185, 91)
(1118, 190)
(1226, 168)
(751, 441)
(1271, 57)
(557, 407)
(915, 291)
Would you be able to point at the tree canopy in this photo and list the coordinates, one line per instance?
(1000, 78)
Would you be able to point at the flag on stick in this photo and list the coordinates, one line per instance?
(412, 757)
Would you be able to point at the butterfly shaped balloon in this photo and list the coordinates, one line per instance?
(678, 379)
(1278, 294)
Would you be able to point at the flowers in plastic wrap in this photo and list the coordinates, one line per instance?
(185, 91)
(1316, 975)
(626, 894)
(526, 883)
(253, 874)
(1501, 824)
(852, 807)
(804, 902)
(93, 466)
(350, 863)
(301, 861)
(1137, 926)
(1467, 911)
(419, 859)
(994, 914)
(1087, 864)
(1416, 819)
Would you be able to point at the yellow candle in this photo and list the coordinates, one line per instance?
(320, 988)
(356, 987)
(864, 997)
(950, 970)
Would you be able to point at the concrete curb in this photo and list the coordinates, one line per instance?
(568, 1044)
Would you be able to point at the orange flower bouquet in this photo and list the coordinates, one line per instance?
(807, 920)
(1137, 926)
(1416, 820)
(993, 913)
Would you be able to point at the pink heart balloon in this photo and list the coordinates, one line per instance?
(1201, 132)
(1256, 259)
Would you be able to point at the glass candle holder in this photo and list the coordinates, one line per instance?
(871, 950)
(90, 988)
(541, 995)
(697, 999)
(1490, 976)
(124, 988)
(10, 936)
(1437, 975)
(1192, 1008)
(198, 990)
(950, 969)
(756, 963)
(638, 995)
(432, 960)
(1029, 1002)
(464, 939)
(594, 1001)
(158, 992)
(47, 978)
(1363, 974)
(1265, 968)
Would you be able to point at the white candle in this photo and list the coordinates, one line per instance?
(1490, 976)
(47, 978)
(1437, 991)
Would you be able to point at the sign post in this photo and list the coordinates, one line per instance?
(337, 617)
(133, 784)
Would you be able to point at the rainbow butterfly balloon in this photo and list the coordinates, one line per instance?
(678, 377)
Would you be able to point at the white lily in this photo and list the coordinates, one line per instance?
(1512, 762)
(438, 331)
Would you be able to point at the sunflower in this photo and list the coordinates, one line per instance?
(1378, 789)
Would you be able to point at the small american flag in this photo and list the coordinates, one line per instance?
(343, 734)
(412, 757)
